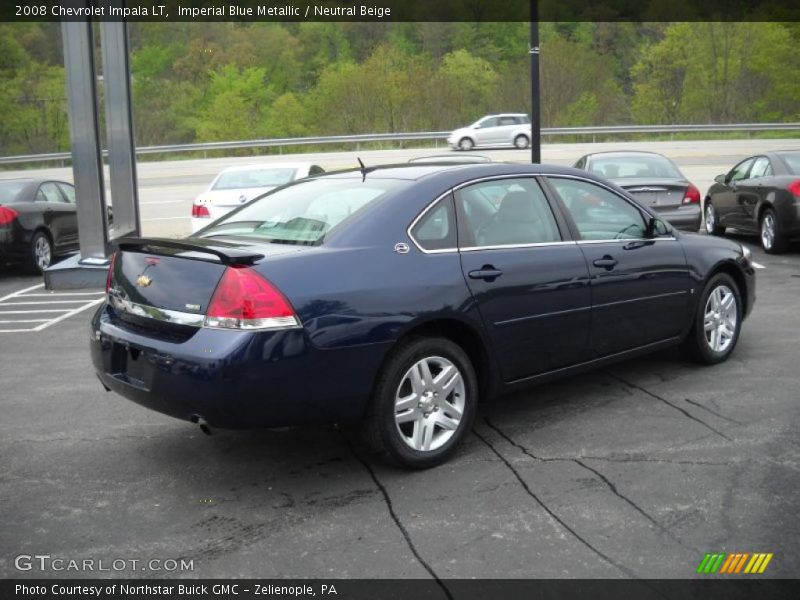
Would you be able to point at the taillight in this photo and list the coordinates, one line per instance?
(794, 188)
(7, 215)
(110, 275)
(200, 211)
(692, 195)
(245, 300)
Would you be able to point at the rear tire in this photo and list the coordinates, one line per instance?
(711, 219)
(521, 142)
(40, 255)
(772, 240)
(466, 144)
(717, 321)
(425, 402)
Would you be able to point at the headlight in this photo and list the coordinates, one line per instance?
(746, 254)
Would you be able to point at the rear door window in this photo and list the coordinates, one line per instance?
(505, 212)
(48, 192)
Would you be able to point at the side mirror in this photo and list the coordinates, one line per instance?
(721, 179)
(655, 227)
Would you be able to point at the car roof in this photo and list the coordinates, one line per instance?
(612, 153)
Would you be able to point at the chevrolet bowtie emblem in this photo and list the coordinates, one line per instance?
(143, 281)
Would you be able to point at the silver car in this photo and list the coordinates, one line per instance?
(654, 180)
(508, 129)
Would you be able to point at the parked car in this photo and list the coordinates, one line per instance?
(654, 180)
(511, 130)
(398, 296)
(37, 222)
(236, 185)
(759, 195)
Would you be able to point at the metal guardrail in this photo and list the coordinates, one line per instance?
(423, 135)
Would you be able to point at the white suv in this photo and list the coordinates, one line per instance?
(510, 129)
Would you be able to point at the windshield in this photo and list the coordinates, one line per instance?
(626, 167)
(302, 213)
(10, 190)
(792, 161)
(253, 178)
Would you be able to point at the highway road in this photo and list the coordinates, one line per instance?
(166, 189)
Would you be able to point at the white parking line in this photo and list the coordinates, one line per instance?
(50, 316)
(758, 265)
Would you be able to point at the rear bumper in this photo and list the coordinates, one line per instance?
(235, 379)
(14, 244)
(686, 218)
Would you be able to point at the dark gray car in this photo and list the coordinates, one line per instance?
(654, 180)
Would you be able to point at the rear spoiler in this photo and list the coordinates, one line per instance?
(228, 254)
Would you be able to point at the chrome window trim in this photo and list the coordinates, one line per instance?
(513, 246)
(454, 189)
(193, 319)
(628, 240)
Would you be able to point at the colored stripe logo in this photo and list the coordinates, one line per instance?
(735, 563)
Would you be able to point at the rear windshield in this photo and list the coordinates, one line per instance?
(10, 191)
(302, 213)
(628, 167)
(792, 161)
(254, 178)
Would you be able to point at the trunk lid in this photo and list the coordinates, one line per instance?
(153, 275)
(656, 193)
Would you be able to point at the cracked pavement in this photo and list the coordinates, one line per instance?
(635, 471)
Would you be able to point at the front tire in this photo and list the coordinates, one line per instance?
(466, 144)
(425, 402)
(521, 142)
(717, 322)
(40, 254)
(711, 220)
(772, 240)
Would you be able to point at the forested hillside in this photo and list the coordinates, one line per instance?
(196, 82)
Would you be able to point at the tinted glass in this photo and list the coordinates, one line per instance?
(10, 191)
(234, 180)
(792, 160)
(69, 192)
(760, 168)
(598, 213)
(302, 213)
(436, 230)
(507, 121)
(622, 167)
(491, 122)
(505, 212)
(739, 172)
(48, 192)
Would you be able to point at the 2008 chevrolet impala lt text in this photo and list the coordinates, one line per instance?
(398, 296)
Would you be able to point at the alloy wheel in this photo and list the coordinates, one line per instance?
(720, 318)
(768, 231)
(711, 218)
(42, 252)
(429, 403)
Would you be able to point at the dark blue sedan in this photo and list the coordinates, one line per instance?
(399, 296)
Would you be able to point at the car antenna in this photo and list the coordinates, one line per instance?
(363, 169)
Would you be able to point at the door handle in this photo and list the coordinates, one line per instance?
(486, 272)
(607, 262)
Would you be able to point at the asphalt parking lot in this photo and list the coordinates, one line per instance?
(635, 471)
